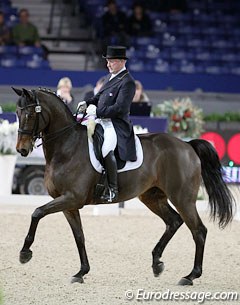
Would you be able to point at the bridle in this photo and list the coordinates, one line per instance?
(35, 133)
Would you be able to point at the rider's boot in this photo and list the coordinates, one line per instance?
(110, 164)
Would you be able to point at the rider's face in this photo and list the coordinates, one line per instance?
(115, 65)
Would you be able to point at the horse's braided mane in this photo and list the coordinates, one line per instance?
(57, 96)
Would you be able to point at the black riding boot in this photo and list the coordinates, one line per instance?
(110, 164)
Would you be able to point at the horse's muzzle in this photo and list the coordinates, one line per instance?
(24, 152)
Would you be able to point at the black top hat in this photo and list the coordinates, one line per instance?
(115, 52)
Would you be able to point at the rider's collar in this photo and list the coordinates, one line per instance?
(114, 75)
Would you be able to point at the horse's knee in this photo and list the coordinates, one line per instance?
(38, 214)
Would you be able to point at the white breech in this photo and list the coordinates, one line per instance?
(110, 137)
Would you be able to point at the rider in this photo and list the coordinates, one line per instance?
(112, 106)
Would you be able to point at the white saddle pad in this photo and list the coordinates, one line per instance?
(128, 166)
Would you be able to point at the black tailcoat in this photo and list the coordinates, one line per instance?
(113, 101)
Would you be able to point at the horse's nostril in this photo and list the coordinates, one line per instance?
(23, 152)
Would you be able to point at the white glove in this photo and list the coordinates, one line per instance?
(82, 106)
(91, 110)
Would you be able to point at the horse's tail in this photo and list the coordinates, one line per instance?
(220, 198)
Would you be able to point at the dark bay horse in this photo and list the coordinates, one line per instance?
(172, 169)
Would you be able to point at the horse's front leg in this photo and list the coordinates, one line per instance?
(74, 221)
(59, 204)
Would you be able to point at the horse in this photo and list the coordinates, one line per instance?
(171, 170)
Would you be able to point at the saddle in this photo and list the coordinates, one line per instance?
(97, 161)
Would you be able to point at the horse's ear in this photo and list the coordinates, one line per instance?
(26, 93)
(18, 91)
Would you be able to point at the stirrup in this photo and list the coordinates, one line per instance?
(110, 196)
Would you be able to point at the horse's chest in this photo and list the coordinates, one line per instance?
(50, 186)
(54, 179)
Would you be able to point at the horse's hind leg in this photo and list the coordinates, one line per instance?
(156, 201)
(74, 221)
(199, 232)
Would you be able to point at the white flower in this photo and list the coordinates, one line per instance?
(184, 118)
(8, 137)
(138, 129)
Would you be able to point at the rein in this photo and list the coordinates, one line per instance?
(37, 135)
(57, 133)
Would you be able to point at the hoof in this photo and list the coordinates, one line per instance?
(185, 282)
(75, 279)
(25, 256)
(158, 269)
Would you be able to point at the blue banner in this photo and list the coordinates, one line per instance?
(151, 80)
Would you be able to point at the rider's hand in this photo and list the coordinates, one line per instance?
(82, 106)
(91, 110)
